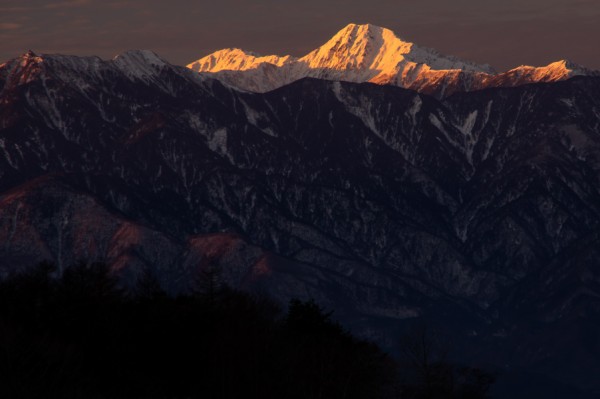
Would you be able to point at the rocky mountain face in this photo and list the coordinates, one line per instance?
(368, 53)
(479, 213)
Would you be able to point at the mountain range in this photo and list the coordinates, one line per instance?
(478, 212)
(368, 53)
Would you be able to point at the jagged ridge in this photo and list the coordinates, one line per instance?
(368, 53)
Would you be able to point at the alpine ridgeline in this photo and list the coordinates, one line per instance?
(479, 212)
(368, 53)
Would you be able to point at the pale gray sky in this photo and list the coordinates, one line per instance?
(503, 33)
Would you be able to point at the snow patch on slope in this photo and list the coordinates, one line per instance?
(140, 64)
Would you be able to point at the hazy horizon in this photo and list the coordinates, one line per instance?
(504, 35)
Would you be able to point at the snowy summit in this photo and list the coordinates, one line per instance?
(369, 53)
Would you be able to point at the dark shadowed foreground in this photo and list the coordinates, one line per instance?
(80, 336)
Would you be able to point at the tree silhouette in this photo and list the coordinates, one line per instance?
(79, 336)
(148, 286)
(208, 282)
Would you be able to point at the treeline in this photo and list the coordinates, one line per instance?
(81, 336)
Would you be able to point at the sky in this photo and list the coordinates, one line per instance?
(502, 33)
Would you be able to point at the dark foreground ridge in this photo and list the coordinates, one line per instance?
(80, 336)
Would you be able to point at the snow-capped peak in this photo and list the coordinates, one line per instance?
(236, 59)
(571, 68)
(139, 63)
(379, 49)
(356, 47)
(136, 57)
(369, 53)
(368, 50)
(552, 72)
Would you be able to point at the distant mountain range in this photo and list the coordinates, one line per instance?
(478, 212)
(368, 53)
